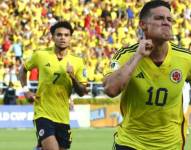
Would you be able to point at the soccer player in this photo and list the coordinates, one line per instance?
(150, 76)
(59, 72)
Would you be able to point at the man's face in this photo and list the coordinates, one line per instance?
(159, 24)
(62, 37)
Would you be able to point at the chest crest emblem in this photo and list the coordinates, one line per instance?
(176, 76)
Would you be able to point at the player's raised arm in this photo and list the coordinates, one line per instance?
(119, 79)
(79, 88)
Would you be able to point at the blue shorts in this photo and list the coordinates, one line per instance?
(46, 128)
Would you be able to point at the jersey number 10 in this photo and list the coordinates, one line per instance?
(161, 96)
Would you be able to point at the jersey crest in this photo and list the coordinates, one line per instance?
(176, 76)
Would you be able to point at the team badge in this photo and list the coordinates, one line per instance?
(176, 76)
(41, 132)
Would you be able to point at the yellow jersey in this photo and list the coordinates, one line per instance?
(55, 85)
(151, 104)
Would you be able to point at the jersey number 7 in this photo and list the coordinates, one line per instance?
(56, 77)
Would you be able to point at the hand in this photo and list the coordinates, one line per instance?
(70, 69)
(145, 47)
(30, 96)
(71, 105)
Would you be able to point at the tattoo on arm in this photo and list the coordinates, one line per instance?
(130, 61)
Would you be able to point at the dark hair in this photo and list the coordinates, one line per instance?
(61, 24)
(145, 11)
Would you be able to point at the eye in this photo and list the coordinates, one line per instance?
(170, 19)
(67, 34)
(158, 17)
(163, 18)
(59, 34)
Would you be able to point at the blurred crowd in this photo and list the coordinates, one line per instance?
(101, 28)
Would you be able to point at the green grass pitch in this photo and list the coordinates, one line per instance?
(83, 139)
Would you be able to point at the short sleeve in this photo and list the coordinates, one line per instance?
(81, 74)
(121, 57)
(31, 62)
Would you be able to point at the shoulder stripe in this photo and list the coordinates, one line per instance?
(125, 49)
(122, 49)
(118, 52)
(131, 46)
(181, 50)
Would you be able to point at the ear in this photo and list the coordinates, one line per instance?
(143, 25)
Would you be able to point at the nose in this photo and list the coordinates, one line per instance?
(62, 37)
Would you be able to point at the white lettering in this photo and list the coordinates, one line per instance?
(16, 116)
(4, 116)
(30, 115)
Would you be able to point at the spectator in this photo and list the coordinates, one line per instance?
(10, 75)
(10, 95)
(130, 16)
(17, 48)
(6, 44)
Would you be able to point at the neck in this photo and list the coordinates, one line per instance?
(60, 52)
(159, 52)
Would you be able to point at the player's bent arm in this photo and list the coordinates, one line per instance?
(23, 79)
(79, 88)
(23, 76)
(118, 80)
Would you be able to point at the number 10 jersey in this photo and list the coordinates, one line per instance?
(151, 104)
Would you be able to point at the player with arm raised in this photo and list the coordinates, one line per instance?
(150, 76)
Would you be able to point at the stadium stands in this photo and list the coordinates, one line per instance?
(101, 27)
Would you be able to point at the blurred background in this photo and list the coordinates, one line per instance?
(101, 28)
